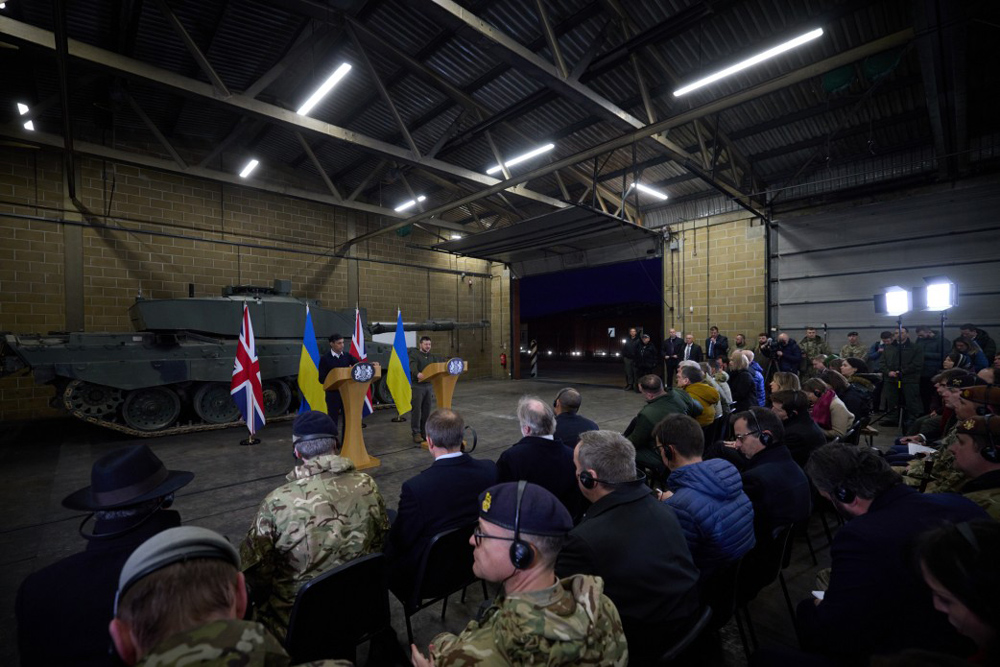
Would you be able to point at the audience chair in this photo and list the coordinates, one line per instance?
(718, 592)
(445, 568)
(338, 610)
(769, 559)
(701, 623)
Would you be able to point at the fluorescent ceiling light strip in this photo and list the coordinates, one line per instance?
(251, 165)
(750, 62)
(650, 191)
(409, 204)
(521, 158)
(327, 86)
(455, 237)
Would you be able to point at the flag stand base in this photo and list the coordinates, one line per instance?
(398, 419)
(250, 441)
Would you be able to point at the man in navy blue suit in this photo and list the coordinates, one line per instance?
(441, 497)
(570, 424)
(876, 600)
(337, 358)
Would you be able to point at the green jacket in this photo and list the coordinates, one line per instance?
(569, 623)
(225, 644)
(326, 515)
(812, 347)
(856, 351)
(912, 361)
(673, 402)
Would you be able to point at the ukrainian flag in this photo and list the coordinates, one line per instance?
(313, 396)
(398, 379)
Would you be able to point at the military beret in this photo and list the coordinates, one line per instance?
(963, 381)
(980, 425)
(541, 512)
(173, 546)
(313, 425)
(986, 394)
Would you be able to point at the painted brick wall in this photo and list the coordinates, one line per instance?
(158, 232)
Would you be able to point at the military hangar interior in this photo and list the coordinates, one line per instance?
(168, 149)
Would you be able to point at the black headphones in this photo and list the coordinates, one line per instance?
(766, 439)
(843, 494)
(588, 481)
(521, 553)
(989, 452)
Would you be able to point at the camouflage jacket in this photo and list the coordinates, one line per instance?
(570, 623)
(225, 644)
(812, 347)
(327, 514)
(856, 351)
(988, 499)
(943, 476)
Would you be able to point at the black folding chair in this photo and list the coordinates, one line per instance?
(768, 559)
(338, 610)
(445, 568)
(700, 624)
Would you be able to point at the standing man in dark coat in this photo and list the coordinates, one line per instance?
(440, 498)
(716, 348)
(981, 338)
(673, 348)
(691, 351)
(901, 365)
(935, 350)
(872, 575)
(647, 357)
(538, 458)
(337, 358)
(628, 354)
(634, 543)
(570, 424)
(63, 610)
(785, 353)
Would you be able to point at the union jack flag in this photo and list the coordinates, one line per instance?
(358, 352)
(246, 387)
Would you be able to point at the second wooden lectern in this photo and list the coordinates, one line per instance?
(443, 376)
(353, 383)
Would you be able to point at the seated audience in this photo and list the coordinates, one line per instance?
(988, 375)
(959, 565)
(708, 376)
(326, 514)
(785, 353)
(827, 410)
(707, 496)
(857, 401)
(978, 458)
(538, 619)
(660, 402)
(757, 374)
(181, 600)
(691, 381)
(957, 360)
(785, 382)
(802, 435)
(875, 602)
(975, 353)
(625, 532)
(721, 385)
(973, 333)
(569, 423)
(537, 457)
(128, 497)
(741, 383)
(440, 498)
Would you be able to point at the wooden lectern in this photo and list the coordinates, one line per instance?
(444, 380)
(352, 394)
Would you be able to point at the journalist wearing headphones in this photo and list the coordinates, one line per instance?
(876, 601)
(537, 618)
(977, 457)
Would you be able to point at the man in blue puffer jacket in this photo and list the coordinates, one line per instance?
(707, 496)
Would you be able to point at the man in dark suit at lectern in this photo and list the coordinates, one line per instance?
(336, 359)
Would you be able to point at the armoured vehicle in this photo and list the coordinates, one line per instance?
(172, 374)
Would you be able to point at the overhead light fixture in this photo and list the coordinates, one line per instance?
(750, 62)
(327, 86)
(22, 109)
(521, 158)
(455, 237)
(649, 191)
(251, 165)
(409, 204)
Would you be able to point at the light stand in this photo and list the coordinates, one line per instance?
(896, 301)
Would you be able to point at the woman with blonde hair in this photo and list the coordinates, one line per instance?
(781, 381)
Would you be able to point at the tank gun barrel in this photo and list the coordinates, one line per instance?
(427, 325)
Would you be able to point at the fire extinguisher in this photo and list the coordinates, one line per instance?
(503, 360)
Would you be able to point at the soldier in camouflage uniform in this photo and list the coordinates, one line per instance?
(198, 568)
(812, 346)
(327, 514)
(537, 619)
(976, 454)
(854, 348)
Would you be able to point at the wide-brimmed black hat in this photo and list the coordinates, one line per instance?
(124, 477)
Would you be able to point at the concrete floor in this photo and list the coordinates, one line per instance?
(43, 461)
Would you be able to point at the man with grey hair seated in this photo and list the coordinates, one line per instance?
(326, 514)
(634, 543)
(570, 424)
(538, 457)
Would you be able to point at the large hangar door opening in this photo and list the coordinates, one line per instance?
(825, 267)
(580, 319)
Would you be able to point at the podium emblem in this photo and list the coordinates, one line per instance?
(362, 372)
(455, 366)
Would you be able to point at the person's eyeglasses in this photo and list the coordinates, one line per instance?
(742, 436)
(480, 535)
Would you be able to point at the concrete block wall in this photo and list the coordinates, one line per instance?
(716, 277)
(158, 232)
